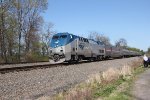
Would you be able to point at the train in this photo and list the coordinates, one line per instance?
(67, 47)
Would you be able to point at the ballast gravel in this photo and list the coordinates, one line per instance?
(35, 83)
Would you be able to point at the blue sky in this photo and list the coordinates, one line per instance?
(129, 19)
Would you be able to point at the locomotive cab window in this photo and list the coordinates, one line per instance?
(55, 37)
(63, 36)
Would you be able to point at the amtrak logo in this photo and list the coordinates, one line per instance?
(81, 45)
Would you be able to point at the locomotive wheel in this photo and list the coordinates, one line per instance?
(76, 57)
(79, 58)
(56, 58)
(99, 58)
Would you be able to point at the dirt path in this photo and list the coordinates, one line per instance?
(141, 89)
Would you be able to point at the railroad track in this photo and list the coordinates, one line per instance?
(25, 67)
(31, 66)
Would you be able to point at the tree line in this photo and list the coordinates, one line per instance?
(21, 26)
(119, 43)
(148, 51)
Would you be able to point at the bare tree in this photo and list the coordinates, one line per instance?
(100, 37)
(27, 13)
(4, 7)
(121, 43)
(20, 24)
(33, 20)
(46, 36)
(11, 37)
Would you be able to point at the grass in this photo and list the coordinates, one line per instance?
(106, 89)
(113, 84)
(123, 92)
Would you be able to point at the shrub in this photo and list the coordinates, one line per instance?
(2, 61)
(35, 57)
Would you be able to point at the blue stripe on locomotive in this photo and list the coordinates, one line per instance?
(62, 41)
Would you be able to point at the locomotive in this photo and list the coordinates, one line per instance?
(66, 47)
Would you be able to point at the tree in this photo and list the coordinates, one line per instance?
(11, 37)
(121, 43)
(148, 50)
(133, 49)
(20, 24)
(142, 52)
(46, 36)
(4, 7)
(99, 37)
(27, 13)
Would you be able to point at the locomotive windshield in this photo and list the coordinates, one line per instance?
(59, 37)
(63, 36)
(58, 40)
(55, 37)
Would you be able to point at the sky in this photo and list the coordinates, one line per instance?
(128, 19)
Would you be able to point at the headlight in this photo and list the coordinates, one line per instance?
(61, 50)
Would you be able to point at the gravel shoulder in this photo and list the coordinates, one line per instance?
(33, 84)
(141, 89)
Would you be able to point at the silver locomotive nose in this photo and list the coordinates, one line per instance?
(56, 57)
(56, 54)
